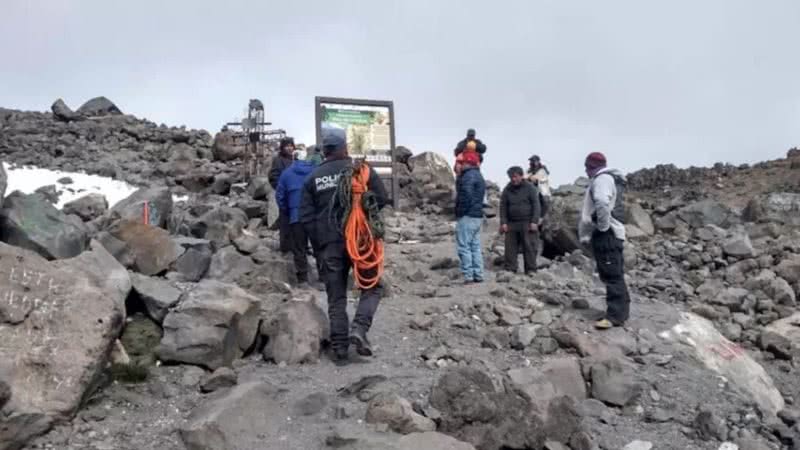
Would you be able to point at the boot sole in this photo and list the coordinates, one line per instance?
(361, 348)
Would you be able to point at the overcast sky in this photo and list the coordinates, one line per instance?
(686, 82)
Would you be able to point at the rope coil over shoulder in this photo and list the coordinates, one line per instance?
(363, 228)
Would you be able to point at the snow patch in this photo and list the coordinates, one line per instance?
(29, 178)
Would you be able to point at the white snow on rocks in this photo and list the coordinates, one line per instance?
(28, 179)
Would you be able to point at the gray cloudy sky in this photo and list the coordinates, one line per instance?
(687, 82)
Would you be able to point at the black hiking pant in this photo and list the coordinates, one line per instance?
(519, 239)
(284, 232)
(336, 267)
(611, 267)
(299, 241)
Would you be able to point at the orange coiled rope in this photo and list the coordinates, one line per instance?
(365, 249)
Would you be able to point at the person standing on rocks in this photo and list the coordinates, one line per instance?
(323, 214)
(280, 163)
(471, 144)
(601, 225)
(520, 211)
(288, 197)
(470, 191)
(540, 177)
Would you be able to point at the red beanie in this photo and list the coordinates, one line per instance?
(595, 160)
(472, 158)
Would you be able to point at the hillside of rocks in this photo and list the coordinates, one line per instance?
(156, 323)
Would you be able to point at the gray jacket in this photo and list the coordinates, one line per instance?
(601, 195)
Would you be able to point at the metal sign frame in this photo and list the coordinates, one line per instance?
(394, 181)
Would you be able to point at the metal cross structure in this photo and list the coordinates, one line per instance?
(258, 141)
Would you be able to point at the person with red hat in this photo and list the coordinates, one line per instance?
(470, 191)
(602, 225)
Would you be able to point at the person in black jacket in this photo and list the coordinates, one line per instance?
(520, 211)
(281, 162)
(323, 216)
(470, 143)
(470, 191)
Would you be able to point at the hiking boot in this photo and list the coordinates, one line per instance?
(478, 280)
(605, 324)
(340, 357)
(358, 337)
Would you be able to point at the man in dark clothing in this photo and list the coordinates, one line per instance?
(470, 190)
(280, 163)
(470, 143)
(323, 216)
(288, 197)
(520, 211)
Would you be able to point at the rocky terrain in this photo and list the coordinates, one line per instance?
(187, 331)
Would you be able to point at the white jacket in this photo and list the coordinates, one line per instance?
(542, 179)
(599, 200)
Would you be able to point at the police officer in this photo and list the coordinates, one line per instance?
(323, 215)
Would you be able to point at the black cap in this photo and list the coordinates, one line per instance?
(471, 132)
(534, 158)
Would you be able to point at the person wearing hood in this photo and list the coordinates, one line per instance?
(280, 163)
(288, 196)
(602, 225)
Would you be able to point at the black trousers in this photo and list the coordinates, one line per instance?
(299, 241)
(519, 239)
(336, 267)
(284, 230)
(611, 267)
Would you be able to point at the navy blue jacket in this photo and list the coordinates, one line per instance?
(320, 211)
(470, 190)
(290, 189)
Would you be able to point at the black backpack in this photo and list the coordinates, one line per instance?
(618, 211)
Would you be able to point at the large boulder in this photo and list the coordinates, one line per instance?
(159, 206)
(230, 266)
(789, 269)
(784, 207)
(225, 148)
(738, 245)
(31, 222)
(152, 249)
(157, 295)
(707, 212)
(214, 324)
(398, 414)
(221, 225)
(57, 328)
(193, 264)
(295, 333)
(789, 329)
(636, 215)
(727, 359)
(613, 382)
(560, 234)
(103, 270)
(235, 419)
(88, 207)
(431, 168)
(99, 106)
(63, 112)
(554, 378)
(477, 411)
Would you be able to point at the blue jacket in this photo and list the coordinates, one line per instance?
(470, 190)
(290, 188)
